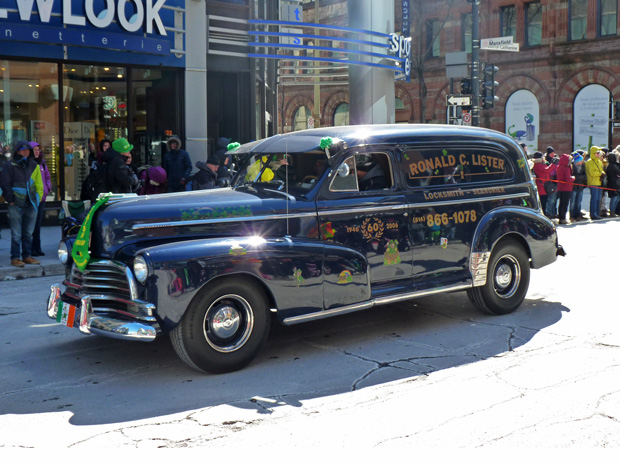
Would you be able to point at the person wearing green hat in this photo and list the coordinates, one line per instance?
(120, 179)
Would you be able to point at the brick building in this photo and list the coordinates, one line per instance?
(557, 90)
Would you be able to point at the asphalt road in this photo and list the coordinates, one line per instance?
(425, 373)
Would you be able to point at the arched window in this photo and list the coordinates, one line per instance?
(341, 115)
(398, 104)
(300, 120)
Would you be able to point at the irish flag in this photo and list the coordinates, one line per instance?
(66, 314)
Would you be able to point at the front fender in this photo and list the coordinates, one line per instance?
(535, 230)
(290, 269)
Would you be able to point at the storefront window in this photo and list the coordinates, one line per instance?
(155, 104)
(94, 108)
(29, 99)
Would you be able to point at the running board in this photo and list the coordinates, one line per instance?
(371, 303)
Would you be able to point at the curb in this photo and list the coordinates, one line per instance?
(31, 271)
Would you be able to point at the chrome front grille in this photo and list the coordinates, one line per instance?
(110, 285)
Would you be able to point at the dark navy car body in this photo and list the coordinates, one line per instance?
(319, 223)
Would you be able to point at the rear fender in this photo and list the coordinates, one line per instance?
(534, 230)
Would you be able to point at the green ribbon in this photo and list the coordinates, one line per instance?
(79, 251)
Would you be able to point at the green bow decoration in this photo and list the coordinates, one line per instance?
(233, 146)
(326, 143)
(79, 252)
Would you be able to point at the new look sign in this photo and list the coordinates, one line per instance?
(130, 15)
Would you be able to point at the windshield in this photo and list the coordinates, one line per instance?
(297, 172)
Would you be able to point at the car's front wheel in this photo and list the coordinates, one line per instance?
(224, 327)
(508, 278)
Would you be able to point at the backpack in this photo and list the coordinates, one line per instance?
(95, 183)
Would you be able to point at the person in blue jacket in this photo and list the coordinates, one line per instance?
(177, 164)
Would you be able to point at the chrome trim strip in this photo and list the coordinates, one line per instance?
(348, 211)
(371, 303)
(383, 208)
(451, 201)
(171, 224)
(327, 313)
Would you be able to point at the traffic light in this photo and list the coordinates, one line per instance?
(465, 86)
(488, 85)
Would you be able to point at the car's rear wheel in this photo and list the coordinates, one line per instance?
(224, 327)
(508, 278)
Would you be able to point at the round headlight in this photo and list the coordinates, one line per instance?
(140, 269)
(63, 252)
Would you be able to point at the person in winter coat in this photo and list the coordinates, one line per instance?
(120, 179)
(565, 184)
(206, 177)
(47, 188)
(104, 145)
(594, 170)
(551, 209)
(22, 188)
(543, 174)
(177, 164)
(576, 196)
(223, 172)
(153, 181)
(613, 182)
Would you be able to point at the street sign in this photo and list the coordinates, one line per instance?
(456, 65)
(458, 100)
(466, 118)
(504, 44)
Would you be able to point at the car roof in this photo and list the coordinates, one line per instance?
(309, 140)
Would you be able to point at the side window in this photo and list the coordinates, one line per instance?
(436, 167)
(363, 172)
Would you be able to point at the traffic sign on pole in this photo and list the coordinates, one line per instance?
(458, 100)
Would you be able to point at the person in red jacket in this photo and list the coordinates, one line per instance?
(565, 180)
(543, 174)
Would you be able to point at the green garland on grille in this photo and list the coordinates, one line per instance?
(79, 251)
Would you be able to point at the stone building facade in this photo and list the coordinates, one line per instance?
(558, 90)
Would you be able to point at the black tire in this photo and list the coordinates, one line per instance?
(508, 278)
(224, 327)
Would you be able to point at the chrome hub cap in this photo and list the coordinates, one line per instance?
(507, 276)
(228, 323)
(504, 276)
(225, 322)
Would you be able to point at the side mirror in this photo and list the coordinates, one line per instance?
(343, 170)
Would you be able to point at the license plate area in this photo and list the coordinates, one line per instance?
(66, 314)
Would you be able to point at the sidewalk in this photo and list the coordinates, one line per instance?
(50, 266)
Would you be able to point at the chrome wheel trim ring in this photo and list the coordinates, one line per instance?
(228, 323)
(506, 276)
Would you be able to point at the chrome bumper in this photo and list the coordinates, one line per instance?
(90, 323)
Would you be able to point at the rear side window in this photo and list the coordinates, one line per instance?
(441, 166)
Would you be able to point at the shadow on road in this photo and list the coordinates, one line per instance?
(104, 381)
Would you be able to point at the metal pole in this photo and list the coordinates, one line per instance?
(317, 86)
(475, 63)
